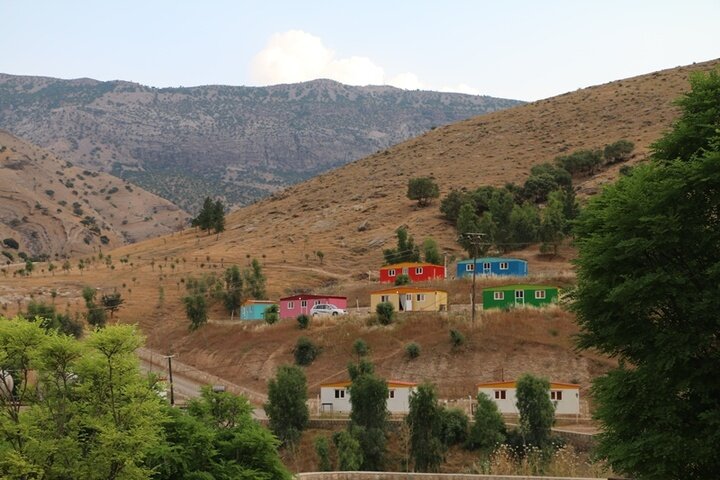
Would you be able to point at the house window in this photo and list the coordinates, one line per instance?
(408, 297)
(469, 267)
(555, 394)
(499, 394)
(418, 270)
(519, 294)
(391, 394)
(339, 393)
(539, 294)
(384, 298)
(316, 302)
(486, 266)
(503, 265)
(291, 305)
(391, 272)
(303, 303)
(420, 297)
(498, 295)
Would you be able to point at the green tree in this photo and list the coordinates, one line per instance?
(385, 312)
(537, 413)
(360, 348)
(422, 189)
(406, 250)
(255, 281)
(368, 417)
(431, 252)
(211, 216)
(425, 422)
(112, 302)
(29, 267)
(553, 223)
(647, 295)
(233, 295)
(271, 314)
(196, 310)
(303, 321)
(305, 351)
(455, 424)
(618, 151)
(402, 279)
(469, 222)
(350, 456)
(322, 449)
(488, 430)
(524, 225)
(450, 205)
(286, 406)
(95, 315)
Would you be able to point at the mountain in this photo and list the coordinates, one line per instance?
(241, 143)
(50, 207)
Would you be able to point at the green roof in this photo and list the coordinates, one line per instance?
(521, 286)
(492, 259)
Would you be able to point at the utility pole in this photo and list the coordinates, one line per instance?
(476, 239)
(172, 391)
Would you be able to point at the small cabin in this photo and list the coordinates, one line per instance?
(565, 396)
(291, 307)
(255, 309)
(508, 296)
(492, 266)
(411, 299)
(416, 272)
(335, 397)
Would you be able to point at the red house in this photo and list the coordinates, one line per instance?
(417, 272)
(291, 307)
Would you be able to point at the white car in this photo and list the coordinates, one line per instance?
(326, 309)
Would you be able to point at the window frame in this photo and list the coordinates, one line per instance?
(499, 295)
(540, 295)
(392, 272)
(504, 265)
(500, 394)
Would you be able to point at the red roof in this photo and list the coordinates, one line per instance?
(307, 296)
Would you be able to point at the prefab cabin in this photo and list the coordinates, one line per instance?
(255, 309)
(335, 397)
(508, 296)
(492, 266)
(411, 299)
(291, 307)
(417, 272)
(565, 396)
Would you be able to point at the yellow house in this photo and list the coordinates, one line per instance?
(411, 299)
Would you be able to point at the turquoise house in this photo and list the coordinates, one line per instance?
(254, 309)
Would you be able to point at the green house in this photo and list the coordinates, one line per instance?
(518, 296)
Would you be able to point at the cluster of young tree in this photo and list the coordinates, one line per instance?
(233, 289)
(587, 162)
(408, 251)
(82, 409)
(647, 295)
(211, 216)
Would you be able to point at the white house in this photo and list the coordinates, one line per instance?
(565, 396)
(335, 397)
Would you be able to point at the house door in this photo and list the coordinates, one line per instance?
(408, 302)
(486, 268)
(519, 297)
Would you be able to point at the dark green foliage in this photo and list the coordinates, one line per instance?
(422, 189)
(233, 296)
(29, 266)
(457, 339)
(553, 223)
(362, 367)
(537, 412)
(406, 250)
(402, 279)
(196, 310)
(200, 292)
(303, 321)
(271, 314)
(112, 302)
(95, 315)
(50, 319)
(286, 406)
(368, 417)
(431, 252)
(455, 424)
(322, 450)
(305, 351)
(385, 313)
(350, 456)
(11, 243)
(412, 350)
(618, 151)
(488, 429)
(255, 281)
(425, 420)
(211, 216)
(524, 225)
(8, 255)
(581, 162)
(360, 348)
(450, 205)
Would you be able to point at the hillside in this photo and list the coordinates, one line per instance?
(350, 214)
(241, 143)
(51, 207)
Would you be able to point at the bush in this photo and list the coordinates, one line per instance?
(618, 151)
(412, 350)
(402, 279)
(457, 339)
(385, 312)
(271, 314)
(454, 428)
(322, 449)
(422, 189)
(11, 243)
(303, 321)
(305, 351)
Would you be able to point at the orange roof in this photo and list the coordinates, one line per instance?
(406, 289)
(390, 383)
(409, 264)
(511, 384)
(259, 302)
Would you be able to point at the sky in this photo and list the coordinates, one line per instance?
(524, 50)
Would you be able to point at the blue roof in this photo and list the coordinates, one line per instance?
(491, 259)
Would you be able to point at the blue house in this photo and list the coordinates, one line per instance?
(492, 266)
(254, 309)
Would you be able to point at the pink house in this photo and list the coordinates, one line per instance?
(291, 307)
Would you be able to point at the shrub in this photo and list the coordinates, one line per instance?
(422, 189)
(322, 449)
(454, 428)
(457, 339)
(11, 243)
(303, 321)
(271, 314)
(305, 351)
(402, 279)
(412, 350)
(385, 312)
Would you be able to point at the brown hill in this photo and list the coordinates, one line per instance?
(53, 208)
(326, 213)
(241, 143)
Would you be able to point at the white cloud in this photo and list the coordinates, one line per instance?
(298, 56)
(460, 88)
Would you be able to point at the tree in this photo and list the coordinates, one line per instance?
(211, 216)
(286, 406)
(196, 310)
(350, 457)
(406, 250)
(647, 296)
(360, 348)
(303, 321)
(368, 417)
(112, 302)
(402, 279)
(618, 151)
(271, 314)
(468, 222)
(425, 421)
(305, 351)
(29, 267)
(455, 424)
(95, 315)
(422, 189)
(322, 449)
(524, 225)
(255, 281)
(431, 252)
(553, 222)
(488, 430)
(385, 312)
(233, 295)
(537, 413)
(66, 266)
